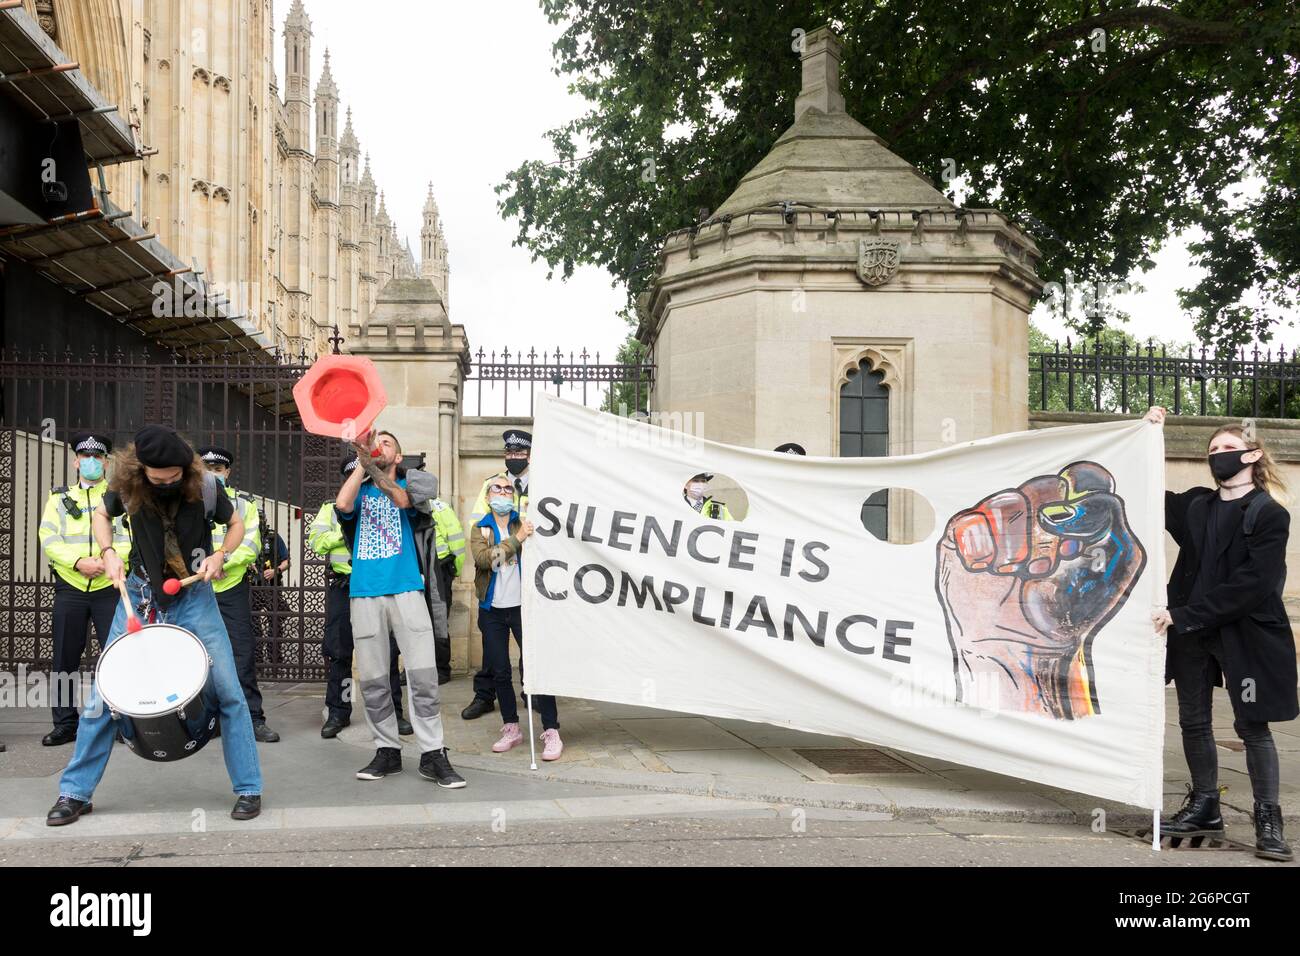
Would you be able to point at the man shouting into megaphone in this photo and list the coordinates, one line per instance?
(385, 512)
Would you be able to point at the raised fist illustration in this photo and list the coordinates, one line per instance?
(1026, 579)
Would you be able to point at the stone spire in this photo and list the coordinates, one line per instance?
(821, 73)
(297, 80)
(349, 151)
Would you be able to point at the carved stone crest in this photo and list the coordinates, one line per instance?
(877, 260)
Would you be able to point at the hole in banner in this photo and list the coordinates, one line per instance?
(898, 515)
(715, 496)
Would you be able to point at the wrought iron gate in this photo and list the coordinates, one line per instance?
(244, 407)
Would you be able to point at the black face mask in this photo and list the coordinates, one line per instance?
(516, 466)
(1225, 464)
(169, 490)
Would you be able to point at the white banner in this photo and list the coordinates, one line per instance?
(1015, 637)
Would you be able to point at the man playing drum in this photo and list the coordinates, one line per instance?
(169, 500)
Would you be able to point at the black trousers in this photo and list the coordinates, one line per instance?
(337, 649)
(237, 614)
(74, 610)
(497, 624)
(1193, 681)
(442, 645)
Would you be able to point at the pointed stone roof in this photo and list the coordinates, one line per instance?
(297, 17)
(349, 141)
(326, 86)
(827, 158)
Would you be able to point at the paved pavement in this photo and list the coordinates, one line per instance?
(768, 836)
(644, 784)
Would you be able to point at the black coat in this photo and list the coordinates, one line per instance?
(1243, 601)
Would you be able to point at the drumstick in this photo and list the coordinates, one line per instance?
(173, 586)
(132, 622)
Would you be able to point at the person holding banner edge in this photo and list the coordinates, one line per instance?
(498, 582)
(1227, 626)
(518, 446)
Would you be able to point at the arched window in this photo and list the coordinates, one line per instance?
(864, 433)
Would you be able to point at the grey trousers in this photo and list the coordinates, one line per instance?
(406, 615)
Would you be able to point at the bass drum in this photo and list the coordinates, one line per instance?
(157, 685)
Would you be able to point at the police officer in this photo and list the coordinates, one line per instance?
(449, 538)
(518, 450)
(696, 493)
(82, 591)
(325, 537)
(232, 588)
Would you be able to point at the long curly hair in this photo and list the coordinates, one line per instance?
(1265, 472)
(134, 488)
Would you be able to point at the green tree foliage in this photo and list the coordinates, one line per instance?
(1105, 127)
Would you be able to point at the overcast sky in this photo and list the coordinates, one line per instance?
(461, 98)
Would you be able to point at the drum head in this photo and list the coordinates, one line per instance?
(153, 671)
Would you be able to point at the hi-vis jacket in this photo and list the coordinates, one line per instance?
(711, 508)
(236, 565)
(325, 537)
(66, 535)
(451, 536)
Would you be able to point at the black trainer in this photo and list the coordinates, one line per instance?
(264, 734)
(404, 728)
(477, 708)
(1269, 844)
(435, 766)
(1199, 816)
(388, 761)
(246, 807)
(66, 810)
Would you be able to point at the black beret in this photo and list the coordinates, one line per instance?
(158, 446)
(213, 455)
(91, 441)
(348, 464)
(791, 447)
(517, 440)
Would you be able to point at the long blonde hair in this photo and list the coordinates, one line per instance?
(1265, 472)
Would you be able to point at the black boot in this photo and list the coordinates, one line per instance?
(1198, 816)
(63, 734)
(1269, 844)
(477, 708)
(246, 807)
(66, 810)
(333, 726)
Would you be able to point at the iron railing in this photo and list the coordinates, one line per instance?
(1128, 379)
(571, 375)
(240, 405)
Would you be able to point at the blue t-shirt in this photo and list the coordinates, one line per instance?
(383, 549)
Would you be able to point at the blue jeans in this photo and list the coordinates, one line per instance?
(195, 610)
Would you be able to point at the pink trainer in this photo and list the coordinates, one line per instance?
(554, 745)
(510, 736)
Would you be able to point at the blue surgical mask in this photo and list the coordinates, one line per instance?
(502, 506)
(92, 469)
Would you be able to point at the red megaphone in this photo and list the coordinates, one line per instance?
(340, 397)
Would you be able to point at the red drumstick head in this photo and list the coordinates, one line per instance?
(171, 586)
(133, 624)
